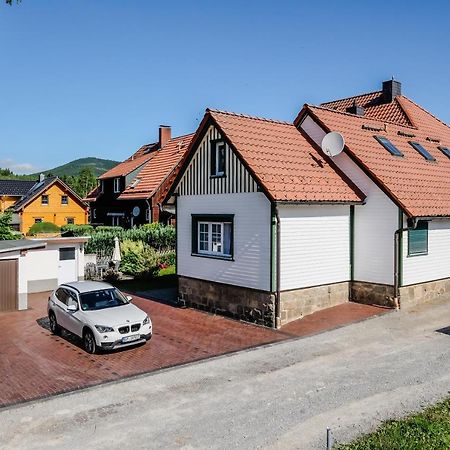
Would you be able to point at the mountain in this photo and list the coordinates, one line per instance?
(98, 166)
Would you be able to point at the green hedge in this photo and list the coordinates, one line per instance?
(72, 230)
(43, 227)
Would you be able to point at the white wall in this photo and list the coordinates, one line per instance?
(436, 264)
(315, 245)
(375, 221)
(252, 236)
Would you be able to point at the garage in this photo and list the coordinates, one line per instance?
(9, 287)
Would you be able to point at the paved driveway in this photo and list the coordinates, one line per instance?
(36, 364)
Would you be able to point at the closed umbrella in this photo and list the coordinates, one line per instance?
(116, 257)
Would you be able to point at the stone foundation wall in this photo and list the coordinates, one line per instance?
(424, 292)
(234, 301)
(372, 293)
(301, 302)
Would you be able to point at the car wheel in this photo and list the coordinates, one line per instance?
(89, 342)
(54, 327)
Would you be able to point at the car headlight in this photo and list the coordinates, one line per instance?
(104, 329)
(146, 321)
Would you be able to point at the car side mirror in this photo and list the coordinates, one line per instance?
(72, 308)
(129, 298)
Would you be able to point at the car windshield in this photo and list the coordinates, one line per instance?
(105, 298)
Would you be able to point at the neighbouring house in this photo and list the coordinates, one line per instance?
(37, 265)
(270, 228)
(130, 193)
(45, 200)
(263, 221)
(398, 154)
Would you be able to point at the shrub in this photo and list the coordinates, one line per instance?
(115, 230)
(166, 259)
(77, 230)
(43, 227)
(138, 259)
(6, 232)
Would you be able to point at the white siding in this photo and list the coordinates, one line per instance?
(252, 222)
(436, 264)
(375, 221)
(196, 179)
(315, 245)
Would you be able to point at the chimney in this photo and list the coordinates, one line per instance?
(41, 177)
(391, 89)
(165, 134)
(356, 109)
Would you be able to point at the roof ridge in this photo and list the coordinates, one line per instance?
(424, 110)
(366, 118)
(246, 116)
(353, 96)
(180, 136)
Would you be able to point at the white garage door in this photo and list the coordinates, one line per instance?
(67, 265)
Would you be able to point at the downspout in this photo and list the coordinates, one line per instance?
(278, 270)
(398, 259)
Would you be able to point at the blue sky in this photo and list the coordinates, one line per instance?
(96, 77)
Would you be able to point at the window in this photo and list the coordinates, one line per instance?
(445, 151)
(44, 200)
(115, 221)
(94, 213)
(66, 253)
(70, 220)
(37, 219)
(217, 158)
(212, 236)
(116, 185)
(418, 239)
(102, 186)
(389, 146)
(147, 214)
(422, 151)
(64, 200)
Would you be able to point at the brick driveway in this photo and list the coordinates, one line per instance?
(36, 364)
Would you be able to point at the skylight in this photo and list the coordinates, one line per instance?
(422, 151)
(389, 146)
(445, 151)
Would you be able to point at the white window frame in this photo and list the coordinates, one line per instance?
(147, 214)
(114, 220)
(94, 213)
(219, 145)
(210, 250)
(67, 199)
(42, 200)
(116, 182)
(102, 186)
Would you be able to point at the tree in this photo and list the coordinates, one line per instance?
(82, 183)
(6, 232)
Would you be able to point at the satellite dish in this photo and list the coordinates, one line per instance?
(333, 143)
(136, 211)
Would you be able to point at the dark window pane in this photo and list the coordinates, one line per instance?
(424, 152)
(389, 146)
(418, 239)
(66, 253)
(445, 151)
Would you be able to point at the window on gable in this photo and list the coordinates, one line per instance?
(44, 200)
(212, 236)
(64, 200)
(418, 239)
(389, 146)
(423, 151)
(116, 185)
(445, 151)
(218, 158)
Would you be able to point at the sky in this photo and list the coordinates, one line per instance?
(96, 78)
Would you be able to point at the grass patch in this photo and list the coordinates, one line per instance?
(161, 282)
(167, 271)
(428, 430)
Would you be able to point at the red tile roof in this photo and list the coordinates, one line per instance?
(374, 107)
(418, 186)
(158, 169)
(284, 161)
(141, 156)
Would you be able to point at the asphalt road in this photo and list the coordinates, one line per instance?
(281, 396)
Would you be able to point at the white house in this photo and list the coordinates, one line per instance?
(269, 228)
(263, 221)
(38, 265)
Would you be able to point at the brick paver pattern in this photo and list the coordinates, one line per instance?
(35, 364)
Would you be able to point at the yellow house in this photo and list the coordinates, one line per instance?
(48, 200)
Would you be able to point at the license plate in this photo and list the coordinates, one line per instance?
(132, 338)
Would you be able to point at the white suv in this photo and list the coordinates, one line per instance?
(99, 314)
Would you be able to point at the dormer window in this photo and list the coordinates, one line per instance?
(116, 185)
(217, 158)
